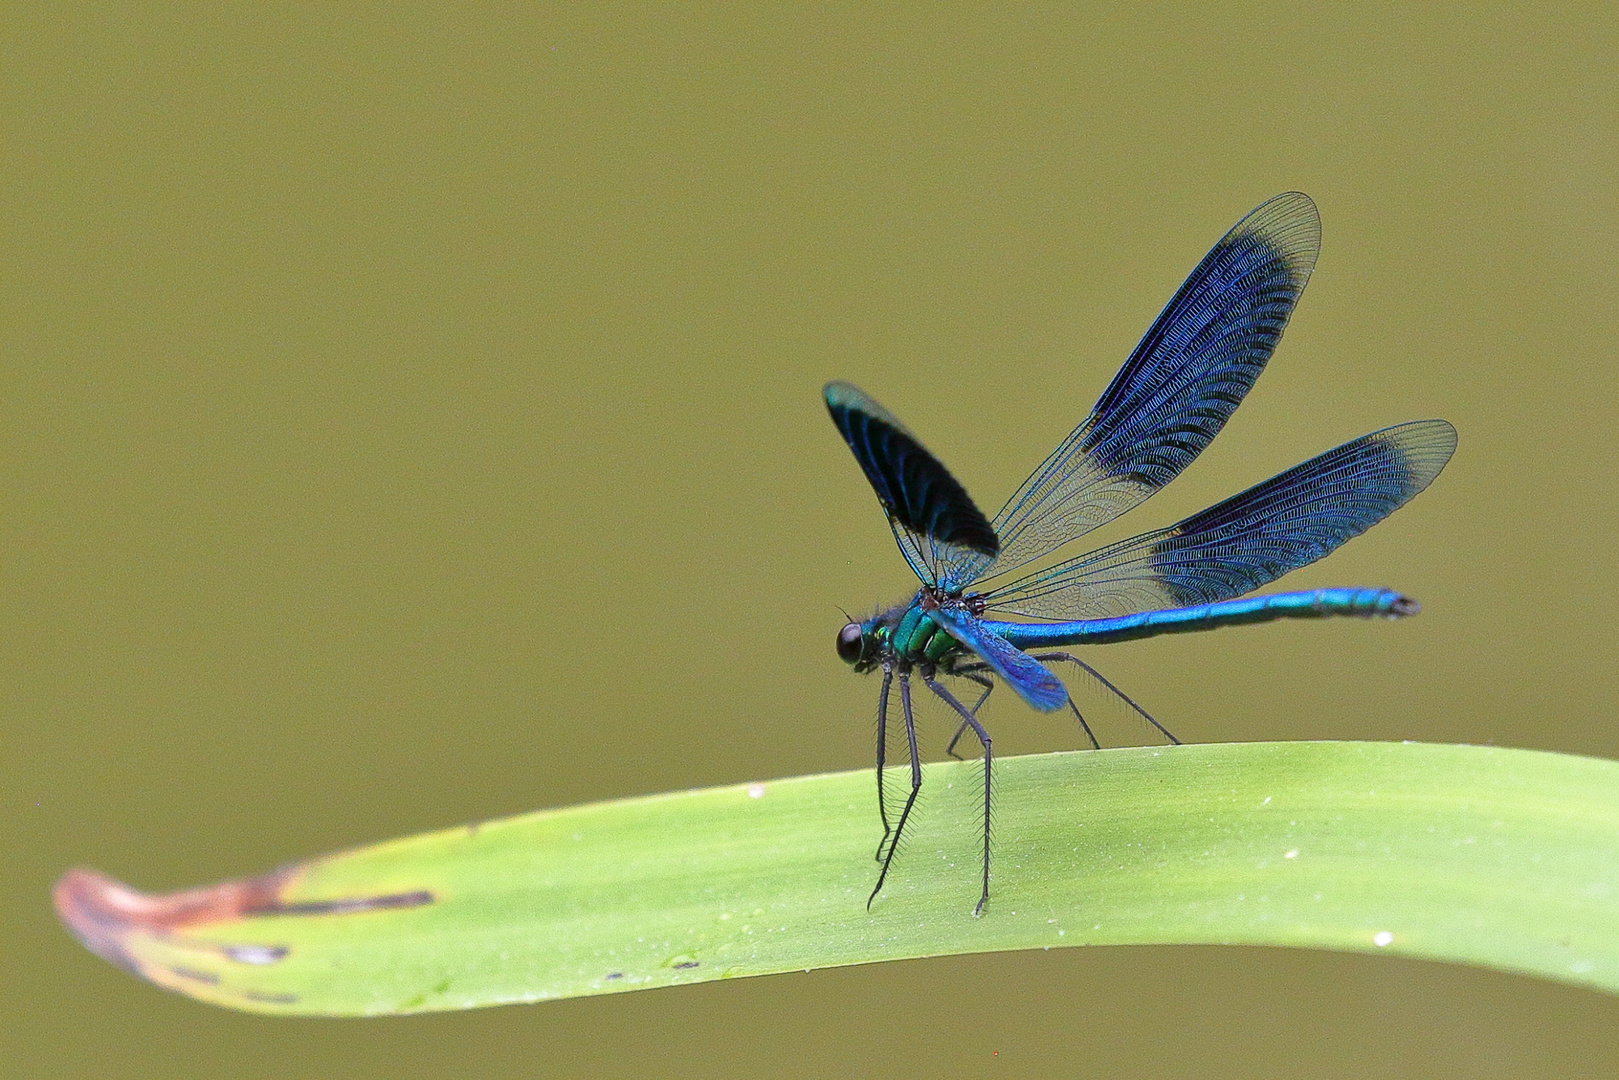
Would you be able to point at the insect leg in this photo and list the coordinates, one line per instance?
(882, 754)
(916, 784)
(983, 737)
(972, 672)
(1048, 658)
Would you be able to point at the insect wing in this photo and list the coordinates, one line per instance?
(934, 520)
(1033, 683)
(1179, 387)
(1247, 541)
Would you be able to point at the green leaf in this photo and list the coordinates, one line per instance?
(1503, 858)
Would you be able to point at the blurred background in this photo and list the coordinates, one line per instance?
(410, 416)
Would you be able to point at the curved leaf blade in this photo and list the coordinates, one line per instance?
(1502, 858)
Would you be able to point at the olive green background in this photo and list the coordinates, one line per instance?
(411, 416)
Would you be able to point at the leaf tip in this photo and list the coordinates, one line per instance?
(108, 916)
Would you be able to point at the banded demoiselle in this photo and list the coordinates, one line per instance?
(1177, 390)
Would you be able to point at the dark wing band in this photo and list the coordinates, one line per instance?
(1247, 541)
(915, 490)
(1179, 387)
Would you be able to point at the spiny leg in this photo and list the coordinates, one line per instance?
(961, 729)
(1047, 658)
(882, 755)
(916, 784)
(970, 673)
(1083, 726)
(971, 721)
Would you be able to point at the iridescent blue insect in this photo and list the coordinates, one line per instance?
(1180, 385)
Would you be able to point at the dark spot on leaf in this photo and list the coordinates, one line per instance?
(348, 905)
(199, 976)
(615, 974)
(687, 964)
(270, 999)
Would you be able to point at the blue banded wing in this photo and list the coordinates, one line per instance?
(1022, 672)
(934, 520)
(1174, 394)
(1236, 546)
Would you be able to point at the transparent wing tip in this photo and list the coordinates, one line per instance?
(1290, 225)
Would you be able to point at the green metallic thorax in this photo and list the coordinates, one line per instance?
(915, 636)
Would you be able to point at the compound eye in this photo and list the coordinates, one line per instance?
(850, 642)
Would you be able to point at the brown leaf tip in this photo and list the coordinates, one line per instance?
(154, 936)
(103, 913)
